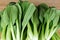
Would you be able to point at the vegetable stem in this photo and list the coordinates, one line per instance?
(18, 32)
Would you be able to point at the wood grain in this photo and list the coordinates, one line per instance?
(4, 3)
(55, 3)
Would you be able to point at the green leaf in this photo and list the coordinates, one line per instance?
(20, 15)
(27, 16)
(4, 23)
(55, 23)
(34, 18)
(56, 20)
(35, 22)
(9, 6)
(42, 9)
(4, 19)
(46, 15)
(24, 6)
(13, 14)
(0, 23)
(41, 14)
(56, 36)
(0, 13)
(58, 12)
(44, 6)
(53, 37)
(13, 17)
(50, 14)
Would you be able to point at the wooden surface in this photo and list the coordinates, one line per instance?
(55, 3)
(3, 3)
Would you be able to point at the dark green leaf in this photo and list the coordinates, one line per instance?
(28, 14)
(4, 19)
(13, 13)
(24, 5)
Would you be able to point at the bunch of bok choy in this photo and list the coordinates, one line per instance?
(23, 20)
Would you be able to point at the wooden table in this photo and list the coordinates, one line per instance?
(55, 3)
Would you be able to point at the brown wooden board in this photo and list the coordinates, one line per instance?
(55, 3)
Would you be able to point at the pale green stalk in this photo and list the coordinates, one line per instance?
(18, 32)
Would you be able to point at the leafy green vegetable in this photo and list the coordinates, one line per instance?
(27, 16)
(19, 23)
(0, 22)
(23, 20)
(4, 23)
